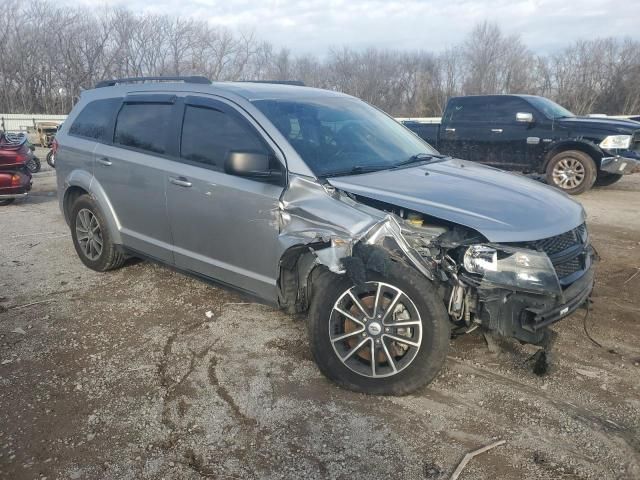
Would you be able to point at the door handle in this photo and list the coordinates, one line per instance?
(180, 181)
(450, 130)
(496, 130)
(104, 161)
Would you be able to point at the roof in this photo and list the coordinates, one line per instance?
(247, 90)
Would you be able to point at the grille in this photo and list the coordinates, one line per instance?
(557, 244)
(635, 142)
(568, 268)
(565, 263)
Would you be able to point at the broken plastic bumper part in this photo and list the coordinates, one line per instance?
(620, 165)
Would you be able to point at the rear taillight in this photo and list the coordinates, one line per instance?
(54, 145)
(22, 158)
(16, 180)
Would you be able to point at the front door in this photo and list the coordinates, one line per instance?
(512, 144)
(223, 226)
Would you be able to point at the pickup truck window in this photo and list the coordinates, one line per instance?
(550, 109)
(342, 134)
(486, 109)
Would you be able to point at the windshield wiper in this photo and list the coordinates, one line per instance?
(421, 157)
(357, 169)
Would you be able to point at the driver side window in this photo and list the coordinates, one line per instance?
(208, 135)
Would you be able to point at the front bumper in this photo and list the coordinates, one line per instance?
(525, 316)
(620, 165)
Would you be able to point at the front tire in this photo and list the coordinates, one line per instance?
(389, 336)
(572, 171)
(91, 237)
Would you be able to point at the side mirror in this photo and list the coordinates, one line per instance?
(249, 164)
(524, 117)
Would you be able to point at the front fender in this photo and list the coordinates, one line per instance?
(86, 181)
(582, 144)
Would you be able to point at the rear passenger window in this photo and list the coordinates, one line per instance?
(470, 109)
(95, 118)
(208, 135)
(144, 126)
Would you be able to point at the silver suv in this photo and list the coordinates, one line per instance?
(317, 202)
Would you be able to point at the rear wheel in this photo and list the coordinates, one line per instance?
(389, 336)
(605, 179)
(91, 237)
(51, 158)
(572, 171)
(7, 201)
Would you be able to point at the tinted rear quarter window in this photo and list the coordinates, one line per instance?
(144, 126)
(208, 135)
(95, 118)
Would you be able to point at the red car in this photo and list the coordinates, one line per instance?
(15, 178)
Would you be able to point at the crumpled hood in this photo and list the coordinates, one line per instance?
(501, 206)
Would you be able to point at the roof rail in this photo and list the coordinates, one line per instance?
(297, 83)
(118, 81)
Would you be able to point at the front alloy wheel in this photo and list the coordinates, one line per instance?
(388, 336)
(571, 171)
(375, 330)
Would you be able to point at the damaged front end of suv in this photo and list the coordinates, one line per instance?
(513, 288)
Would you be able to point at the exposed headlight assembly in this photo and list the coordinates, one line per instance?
(614, 142)
(508, 267)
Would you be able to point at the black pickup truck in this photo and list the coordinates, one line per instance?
(534, 135)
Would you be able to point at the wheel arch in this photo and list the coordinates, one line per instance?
(582, 145)
(80, 183)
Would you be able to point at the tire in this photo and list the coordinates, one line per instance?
(83, 212)
(33, 164)
(605, 179)
(51, 159)
(7, 201)
(413, 367)
(572, 171)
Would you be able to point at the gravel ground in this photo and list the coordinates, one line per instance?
(124, 375)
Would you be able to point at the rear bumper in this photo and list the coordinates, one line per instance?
(14, 184)
(620, 165)
(13, 195)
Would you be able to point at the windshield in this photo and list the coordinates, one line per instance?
(551, 109)
(343, 135)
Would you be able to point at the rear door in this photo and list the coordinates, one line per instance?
(463, 130)
(132, 172)
(223, 226)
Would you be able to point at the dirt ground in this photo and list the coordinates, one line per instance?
(124, 375)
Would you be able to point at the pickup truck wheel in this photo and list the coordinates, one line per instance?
(572, 171)
(605, 179)
(91, 238)
(389, 336)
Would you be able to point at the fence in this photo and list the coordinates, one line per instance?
(19, 122)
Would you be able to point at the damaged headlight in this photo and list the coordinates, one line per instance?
(520, 269)
(480, 258)
(614, 142)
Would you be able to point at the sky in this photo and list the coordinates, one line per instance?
(314, 26)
